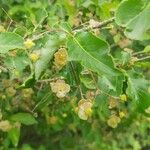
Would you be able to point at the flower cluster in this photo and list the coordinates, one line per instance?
(60, 58)
(4, 124)
(5, 83)
(113, 103)
(123, 97)
(60, 88)
(10, 91)
(27, 93)
(2, 29)
(84, 109)
(122, 114)
(29, 44)
(52, 120)
(93, 23)
(116, 116)
(113, 121)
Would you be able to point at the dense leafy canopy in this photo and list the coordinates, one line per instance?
(74, 74)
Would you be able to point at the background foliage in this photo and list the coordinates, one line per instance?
(74, 74)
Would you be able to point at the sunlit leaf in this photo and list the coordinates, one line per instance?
(10, 41)
(24, 118)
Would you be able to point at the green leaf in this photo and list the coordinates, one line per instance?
(14, 135)
(127, 10)
(41, 14)
(26, 147)
(135, 20)
(139, 27)
(138, 91)
(91, 52)
(10, 41)
(125, 57)
(29, 82)
(24, 118)
(47, 52)
(147, 49)
(113, 86)
(45, 100)
(105, 84)
(88, 82)
(19, 62)
(87, 3)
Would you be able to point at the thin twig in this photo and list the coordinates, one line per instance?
(41, 101)
(138, 53)
(101, 24)
(141, 59)
(85, 28)
(46, 32)
(45, 80)
(81, 25)
(11, 21)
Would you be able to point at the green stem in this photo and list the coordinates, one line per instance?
(138, 53)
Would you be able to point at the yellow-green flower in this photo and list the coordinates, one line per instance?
(123, 97)
(60, 58)
(113, 121)
(29, 44)
(113, 103)
(10, 91)
(34, 57)
(84, 109)
(5, 125)
(2, 29)
(122, 114)
(60, 88)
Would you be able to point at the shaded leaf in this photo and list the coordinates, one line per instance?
(47, 52)
(29, 82)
